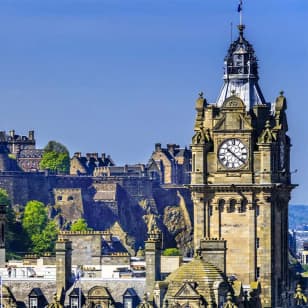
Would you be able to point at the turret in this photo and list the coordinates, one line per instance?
(241, 73)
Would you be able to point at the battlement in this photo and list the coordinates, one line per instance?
(90, 232)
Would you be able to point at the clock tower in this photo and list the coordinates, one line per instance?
(241, 181)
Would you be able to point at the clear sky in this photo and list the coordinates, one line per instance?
(117, 76)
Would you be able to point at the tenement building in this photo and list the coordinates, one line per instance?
(241, 179)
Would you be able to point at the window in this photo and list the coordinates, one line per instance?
(221, 204)
(59, 198)
(257, 242)
(74, 302)
(258, 273)
(33, 303)
(70, 198)
(232, 205)
(128, 303)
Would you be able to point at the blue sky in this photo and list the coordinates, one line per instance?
(118, 76)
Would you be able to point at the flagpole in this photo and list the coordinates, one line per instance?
(241, 10)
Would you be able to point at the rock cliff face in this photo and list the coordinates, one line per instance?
(136, 204)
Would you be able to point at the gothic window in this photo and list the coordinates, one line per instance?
(257, 242)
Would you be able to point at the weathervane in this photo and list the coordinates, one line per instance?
(240, 9)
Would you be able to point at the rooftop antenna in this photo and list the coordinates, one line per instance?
(240, 9)
(231, 31)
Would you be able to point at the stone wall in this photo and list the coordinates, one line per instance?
(102, 201)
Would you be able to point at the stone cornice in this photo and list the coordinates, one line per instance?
(209, 188)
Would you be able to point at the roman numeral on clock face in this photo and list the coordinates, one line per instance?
(232, 153)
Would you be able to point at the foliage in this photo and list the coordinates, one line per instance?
(4, 197)
(55, 157)
(54, 146)
(80, 225)
(41, 232)
(305, 267)
(45, 241)
(15, 239)
(171, 252)
(35, 218)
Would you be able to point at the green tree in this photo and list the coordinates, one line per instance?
(55, 157)
(4, 197)
(41, 232)
(54, 146)
(171, 252)
(15, 238)
(45, 241)
(80, 225)
(35, 218)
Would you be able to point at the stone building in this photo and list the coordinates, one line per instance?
(23, 150)
(241, 179)
(170, 165)
(86, 165)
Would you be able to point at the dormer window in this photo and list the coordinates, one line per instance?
(33, 302)
(74, 302)
(37, 298)
(76, 298)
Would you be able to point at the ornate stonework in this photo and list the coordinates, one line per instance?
(241, 180)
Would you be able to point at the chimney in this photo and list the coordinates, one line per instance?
(171, 148)
(214, 251)
(152, 259)
(2, 234)
(12, 133)
(103, 156)
(157, 147)
(31, 135)
(88, 156)
(95, 156)
(77, 154)
(63, 265)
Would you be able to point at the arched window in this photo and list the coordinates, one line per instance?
(243, 206)
(59, 198)
(70, 198)
(221, 205)
(232, 205)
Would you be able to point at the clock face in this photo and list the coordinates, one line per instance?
(232, 153)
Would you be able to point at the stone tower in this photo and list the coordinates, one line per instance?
(241, 181)
(2, 234)
(152, 258)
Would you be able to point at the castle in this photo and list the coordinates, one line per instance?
(240, 184)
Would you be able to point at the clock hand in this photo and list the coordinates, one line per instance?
(236, 156)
